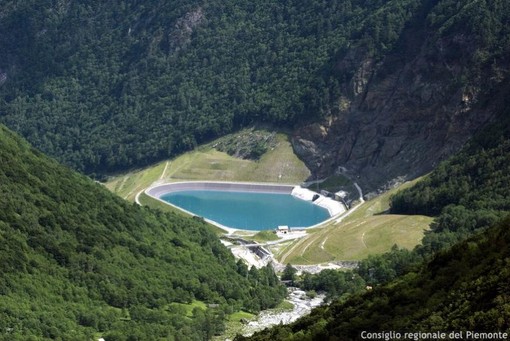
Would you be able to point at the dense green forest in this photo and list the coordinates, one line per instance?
(77, 261)
(463, 289)
(108, 85)
(105, 86)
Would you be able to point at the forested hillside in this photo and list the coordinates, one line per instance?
(469, 192)
(77, 262)
(403, 111)
(108, 85)
(374, 89)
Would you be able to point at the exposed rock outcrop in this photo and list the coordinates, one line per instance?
(3, 77)
(180, 36)
(398, 118)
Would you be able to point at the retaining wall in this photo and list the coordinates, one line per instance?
(159, 190)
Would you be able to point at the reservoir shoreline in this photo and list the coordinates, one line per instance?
(159, 190)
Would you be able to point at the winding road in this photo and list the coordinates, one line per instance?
(361, 201)
(137, 197)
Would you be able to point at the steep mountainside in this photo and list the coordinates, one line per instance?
(109, 85)
(77, 261)
(376, 89)
(467, 194)
(401, 112)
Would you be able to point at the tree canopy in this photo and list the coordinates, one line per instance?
(104, 86)
(76, 260)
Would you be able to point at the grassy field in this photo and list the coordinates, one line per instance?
(369, 230)
(279, 165)
(128, 185)
(264, 236)
(187, 309)
(233, 325)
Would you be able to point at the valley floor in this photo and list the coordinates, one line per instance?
(351, 236)
(339, 243)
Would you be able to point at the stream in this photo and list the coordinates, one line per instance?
(302, 306)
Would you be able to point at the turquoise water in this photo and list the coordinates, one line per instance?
(248, 210)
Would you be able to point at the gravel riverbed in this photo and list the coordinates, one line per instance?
(302, 306)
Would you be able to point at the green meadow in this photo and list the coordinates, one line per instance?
(368, 230)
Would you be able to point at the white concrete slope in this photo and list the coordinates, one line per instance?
(334, 207)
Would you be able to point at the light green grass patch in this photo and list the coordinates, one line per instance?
(264, 236)
(188, 308)
(365, 232)
(233, 325)
(379, 204)
(238, 315)
(284, 306)
(277, 165)
(129, 184)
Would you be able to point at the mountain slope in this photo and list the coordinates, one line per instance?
(400, 112)
(457, 280)
(103, 86)
(381, 89)
(467, 194)
(76, 260)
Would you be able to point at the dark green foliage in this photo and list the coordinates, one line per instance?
(464, 289)
(289, 273)
(469, 192)
(110, 85)
(336, 284)
(384, 268)
(77, 260)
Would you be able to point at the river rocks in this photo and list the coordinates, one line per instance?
(303, 305)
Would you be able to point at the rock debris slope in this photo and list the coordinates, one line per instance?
(399, 114)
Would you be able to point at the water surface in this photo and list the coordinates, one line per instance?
(248, 210)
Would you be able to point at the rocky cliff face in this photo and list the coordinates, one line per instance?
(400, 116)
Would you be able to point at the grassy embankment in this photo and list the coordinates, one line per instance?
(279, 165)
(369, 230)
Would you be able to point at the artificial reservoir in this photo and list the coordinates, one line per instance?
(241, 205)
